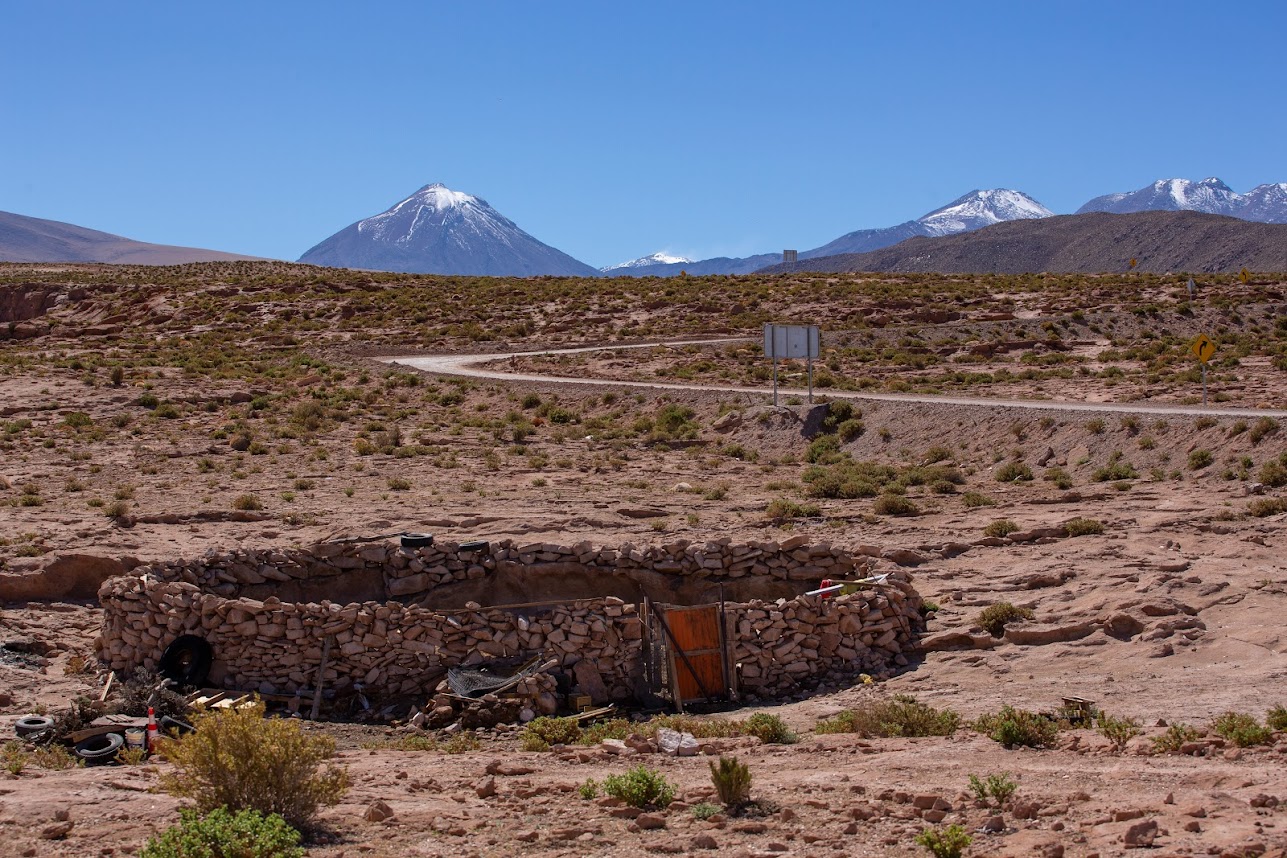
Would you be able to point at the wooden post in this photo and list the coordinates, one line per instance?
(321, 678)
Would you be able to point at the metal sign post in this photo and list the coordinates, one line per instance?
(791, 341)
(1203, 349)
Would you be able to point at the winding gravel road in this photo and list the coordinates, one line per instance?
(473, 366)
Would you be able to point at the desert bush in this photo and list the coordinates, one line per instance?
(399, 484)
(900, 716)
(1115, 470)
(769, 729)
(1012, 472)
(542, 733)
(1199, 459)
(1273, 474)
(701, 728)
(674, 422)
(1059, 477)
(849, 430)
(823, 450)
(1018, 727)
(999, 788)
(945, 842)
(1084, 527)
(891, 504)
(732, 781)
(1264, 507)
(239, 760)
(590, 788)
(1119, 731)
(973, 500)
(783, 508)
(704, 810)
(1276, 718)
(247, 503)
(994, 618)
(640, 787)
(1241, 729)
(1095, 427)
(1262, 428)
(1000, 527)
(222, 834)
(1175, 737)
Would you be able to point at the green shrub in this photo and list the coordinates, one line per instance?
(1273, 474)
(1115, 470)
(701, 728)
(944, 842)
(1276, 719)
(1012, 472)
(823, 450)
(732, 781)
(891, 504)
(1084, 527)
(1059, 477)
(1261, 428)
(239, 760)
(1175, 737)
(1119, 731)
(78, 420)
(973, 500)
(1018, 727)
(1000, 527)
(1264, 507)
(247, 503)
(994, 618)
(849, 430)
(900, 716)
(1199, 459)
(997, 787)
(1241, 729)
(221, 834)
(640, 787)
(783, 508)
(705, 810)
(769, 729)
(589, 789)
(544, 732)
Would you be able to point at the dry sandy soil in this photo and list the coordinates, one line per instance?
(1173, 614)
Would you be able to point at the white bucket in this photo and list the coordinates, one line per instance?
(135, 737)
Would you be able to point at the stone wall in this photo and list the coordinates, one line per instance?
(398, 620)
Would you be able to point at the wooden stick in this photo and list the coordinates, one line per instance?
(107, 687)
(321, 678)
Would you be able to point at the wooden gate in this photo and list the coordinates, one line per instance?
(694, 643)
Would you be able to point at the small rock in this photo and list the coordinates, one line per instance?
(616, 747)
(994, 824)
(650, 821)
(705, 841)
(378, 811)
(1193, 826)
(487, 788)
(500, 767)
(56, 830)
(676, 743)
(1141, 834)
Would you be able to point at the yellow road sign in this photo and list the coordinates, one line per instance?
(1134, 262)
(1202, 347)
(1244, 275)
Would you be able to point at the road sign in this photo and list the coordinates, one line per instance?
(791, 341)
(1202, 347)
(1192, 286)
(1244, 275)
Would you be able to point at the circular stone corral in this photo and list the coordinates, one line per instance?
(399, 617)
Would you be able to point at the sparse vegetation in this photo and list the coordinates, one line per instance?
(769, 729)
(1241, 729)
(900, 716)
(1084, 527)
(996, 787)
(1119, 731)
(1013, 472)
(222, 834)
(1000, 527)
(640, 787)
(994, 618)
(732, 780)
(946, 842)
(1013, 727)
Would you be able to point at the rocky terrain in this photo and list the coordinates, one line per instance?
(153, 414)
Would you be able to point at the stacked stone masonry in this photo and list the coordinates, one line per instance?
(402, 642)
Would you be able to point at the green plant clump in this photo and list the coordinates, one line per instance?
(239, 760)
(1012, 472)
(1119, 731)
(945, 842)
(1276, 719)
(1018, 727)
(900, 716)
(1175, 737)
(1084, 527)
(1241, 729)
(640, 787)
(769, 729)
(222, 834)
(996, 787)
(543, 733)
(1000, 527)
(732, 780)
(994, 618)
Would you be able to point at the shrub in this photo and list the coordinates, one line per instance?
(221, 834)
(732, 781)
(1262, 427)
(823, 450)
(399, 484)
(769, 729)
(993, 619)
(1273, 474)
(973, 500)
(1175, 737)
(1059, 477)
(783, 508)
(78, 420)
(544, 732)
(1276, 718)
(1084, 527)
(1000, 527)
(849, 430)
(997, 787)
(117, 376)
(1018, 727)
(1012, 472)
(1116, 470)
(944, 842)
(246, 503)
(890, 504)
(589, 789)
(1241, 729)
(701, 728)
(239, 760)
(1095, 427)
(1200, 459)
(1264, 507)
(705, 810)
(1119, 731)
(640, 787)
(901, 716)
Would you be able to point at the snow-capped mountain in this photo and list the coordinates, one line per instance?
(1265, 203)
(440, 231)
(975, 210)
(658, 258)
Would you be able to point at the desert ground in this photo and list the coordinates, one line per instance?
(1039, 440)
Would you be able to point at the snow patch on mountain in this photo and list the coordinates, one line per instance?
(979, 208)
(1267, 203)
(661, 257)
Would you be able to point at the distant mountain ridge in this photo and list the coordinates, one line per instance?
(1263, 203)
(33, 239)
(1094, 242)
(440, 231)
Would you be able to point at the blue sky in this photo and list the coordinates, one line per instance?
(614, 130)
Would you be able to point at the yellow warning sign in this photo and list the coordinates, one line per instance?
(1134, 262)
(1202, 347)
(1244, 275)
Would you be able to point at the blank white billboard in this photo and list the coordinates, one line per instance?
(791, 341)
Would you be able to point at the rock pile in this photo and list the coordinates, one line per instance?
(390, 639)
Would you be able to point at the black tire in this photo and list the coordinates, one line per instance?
(417, 540)
(476, 545)
(187, 661)
(33, 724)
(100, 749)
